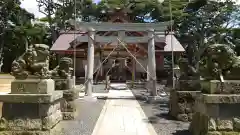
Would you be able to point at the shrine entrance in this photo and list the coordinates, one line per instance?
(118, 72)
(151, 33)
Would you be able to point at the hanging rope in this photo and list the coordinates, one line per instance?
(123, 44)
(106, 58)
(74, 36)
(100, 65)
(171, 30)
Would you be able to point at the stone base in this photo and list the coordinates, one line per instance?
(31, 98)
(69, 115)
(48, 132)
(216, 114)
(68, 104)
(32, 86)
(188, 85)
(30, 114)
(29, 118)
(68, 109)
(70, 95)
(64, 84)
(182, 104)
(216, 87)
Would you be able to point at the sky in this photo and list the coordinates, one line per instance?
(31, 6)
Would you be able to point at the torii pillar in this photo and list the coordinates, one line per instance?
(90, 64)
(152, 63)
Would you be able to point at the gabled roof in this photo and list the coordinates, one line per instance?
(64, 40)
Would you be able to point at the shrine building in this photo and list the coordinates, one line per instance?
(127, 65)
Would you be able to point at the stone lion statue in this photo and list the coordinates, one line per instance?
(63, 73)
(34, 62)
(64, 69)
(220, 62)
(186, 71)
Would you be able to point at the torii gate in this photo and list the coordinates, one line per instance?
(153, 29)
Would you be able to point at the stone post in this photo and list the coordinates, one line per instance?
(90, 64)
(148, 74)
(85, 72)
(152, 63)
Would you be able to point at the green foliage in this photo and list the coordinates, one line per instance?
(197, 24)
(207, 25)
(220, 60)
(17, 31)
(142, 10)
(174, 7)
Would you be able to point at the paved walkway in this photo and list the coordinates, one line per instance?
(122, 115)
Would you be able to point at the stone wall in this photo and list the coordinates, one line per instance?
(216, 114)
(205, 125)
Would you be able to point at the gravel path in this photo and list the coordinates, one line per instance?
(157, 114)
(87, 112)
(87, 116)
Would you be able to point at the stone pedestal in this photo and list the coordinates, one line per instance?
(64, 84)
(27, 112)
(68, 104)
(182, 99)
(181, 104)
(217, 114)
(70, 94)
(188, 85)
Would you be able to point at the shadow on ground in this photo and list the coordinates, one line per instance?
(157, 114)
(182, 132)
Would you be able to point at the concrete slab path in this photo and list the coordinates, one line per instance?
(122, 115)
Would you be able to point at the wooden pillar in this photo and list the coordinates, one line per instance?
(152, 63)
(90, 64)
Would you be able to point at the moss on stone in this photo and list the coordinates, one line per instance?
(214, 133)
(231, 133)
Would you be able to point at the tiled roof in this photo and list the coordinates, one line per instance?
(63, 41)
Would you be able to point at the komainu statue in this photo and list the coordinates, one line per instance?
(33, 63)
(186, 71)
(220, 62)
(64, 70)
(62, 74)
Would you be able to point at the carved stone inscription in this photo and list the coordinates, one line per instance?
(229, 87)
(21, 87)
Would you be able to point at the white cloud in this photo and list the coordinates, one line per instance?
(32, 7)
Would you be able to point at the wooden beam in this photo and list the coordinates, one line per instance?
(107, 26)
(109, 39)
